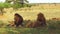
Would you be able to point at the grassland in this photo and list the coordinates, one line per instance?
(50, 11)
(53, 27)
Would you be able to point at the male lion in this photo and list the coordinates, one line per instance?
(41, 21)
(18, 20)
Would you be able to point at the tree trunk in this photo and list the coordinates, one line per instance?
(22, 2)
(1, 13)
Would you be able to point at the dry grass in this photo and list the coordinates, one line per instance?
(49, 10)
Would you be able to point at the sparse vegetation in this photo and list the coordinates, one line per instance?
(52, 27)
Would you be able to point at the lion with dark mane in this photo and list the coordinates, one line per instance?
(18, 20)
(41, 21)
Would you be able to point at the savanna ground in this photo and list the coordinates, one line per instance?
(52, 11)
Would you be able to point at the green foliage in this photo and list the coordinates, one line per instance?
(16, 5)
(8, 5)
(27, 5)
(5, 5)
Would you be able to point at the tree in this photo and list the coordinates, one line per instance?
(23, 2)
(8, 1)
(18, 1)
(4, 5)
